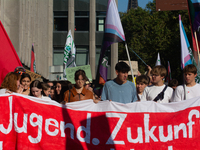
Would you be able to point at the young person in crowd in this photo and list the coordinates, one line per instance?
(119, 89)
(25, 82)
(50, 83)
(36, 90)
(67, 86)
(52, 91)
(141, 82)
(158, 92)
(46, 89)
(173, 84)
(88, 86)
(190, 89)
(58, 88)
(78, 92)
(11, 83)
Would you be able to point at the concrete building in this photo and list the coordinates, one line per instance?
(132, 4)
(45, 23)
(30, 22)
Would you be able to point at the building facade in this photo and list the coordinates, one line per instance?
(45, 23)
(30, 22)
(132, 4)
(85, 19)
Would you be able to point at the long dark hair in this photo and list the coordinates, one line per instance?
(64, 86)
(25, 75)
(37, 84)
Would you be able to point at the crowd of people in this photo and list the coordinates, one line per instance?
(63, 92)
(149, 87)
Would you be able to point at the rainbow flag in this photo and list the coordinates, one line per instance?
(113, 33)
(185, 46)
(186, 51)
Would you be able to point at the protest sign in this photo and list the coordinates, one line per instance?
(71, 71)
(29, 123)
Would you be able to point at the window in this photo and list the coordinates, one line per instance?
(58, 56)
(81, 57)
(100, 20)
(60, 21)
(81, 20)
(82, 53)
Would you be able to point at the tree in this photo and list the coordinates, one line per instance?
(148, 32)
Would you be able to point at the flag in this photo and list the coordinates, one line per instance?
(185, 46)
(158, 62)
(69, 54)
(33, 66)
(169, 73)
(194, 15)
(9, 59)
(113, 33)
(186, 51)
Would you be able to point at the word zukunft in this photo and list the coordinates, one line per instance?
(143, 135)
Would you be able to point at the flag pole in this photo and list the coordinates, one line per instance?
(129, 62)
(195, 34)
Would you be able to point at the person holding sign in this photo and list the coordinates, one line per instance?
(78, 92)
(119, 89)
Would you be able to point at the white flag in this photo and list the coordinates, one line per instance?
(69, 54)
(158, 62)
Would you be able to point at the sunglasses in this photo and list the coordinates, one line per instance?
(20, 72)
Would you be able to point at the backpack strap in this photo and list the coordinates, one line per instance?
(184, 87)
(160, 96)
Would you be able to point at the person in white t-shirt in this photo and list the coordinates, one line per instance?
(158, 92)
(190, 89)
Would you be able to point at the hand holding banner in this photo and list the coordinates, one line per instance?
(27, 123)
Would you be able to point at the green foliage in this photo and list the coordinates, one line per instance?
(148, 32)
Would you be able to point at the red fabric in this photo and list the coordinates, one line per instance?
(32, 59)
(9, 59)
(32, 123)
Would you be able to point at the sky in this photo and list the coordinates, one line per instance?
(123, 4)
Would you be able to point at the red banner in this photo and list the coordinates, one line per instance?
(32, 123)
